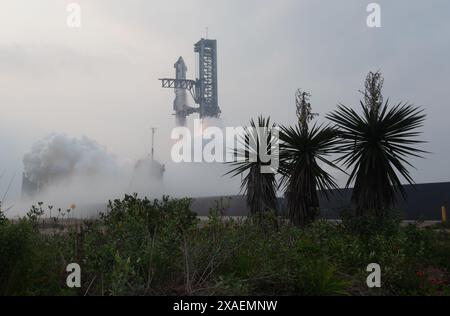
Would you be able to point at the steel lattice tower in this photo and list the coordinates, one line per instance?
(207, 90)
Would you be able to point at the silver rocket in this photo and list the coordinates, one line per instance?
(180, 103)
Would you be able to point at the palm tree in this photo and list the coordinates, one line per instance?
(376, 146)
(260, 188)
(302, 150)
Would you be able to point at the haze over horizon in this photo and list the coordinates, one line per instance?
(101, 80)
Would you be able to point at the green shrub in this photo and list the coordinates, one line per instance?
(30, 263)
(371, 223)
(143, 247)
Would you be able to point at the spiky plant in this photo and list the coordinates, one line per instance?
(302, 150)
(377, 144)
(260, 188)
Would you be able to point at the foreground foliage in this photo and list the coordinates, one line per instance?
(143, 247)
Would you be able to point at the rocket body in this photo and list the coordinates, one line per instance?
(180, 102)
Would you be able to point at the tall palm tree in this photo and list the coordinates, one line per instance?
(302, 150)
(260, 188)
(376, 146)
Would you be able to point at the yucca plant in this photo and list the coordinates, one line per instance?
(260, 188)
(376, 146)
(302, 151)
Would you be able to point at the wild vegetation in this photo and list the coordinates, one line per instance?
(143, 247)
(160, 247)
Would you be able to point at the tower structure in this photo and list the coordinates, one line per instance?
(207, 81)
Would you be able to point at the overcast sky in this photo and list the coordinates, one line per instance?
(101, 80)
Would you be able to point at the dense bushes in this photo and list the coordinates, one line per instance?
(143, 247)
(31, 263)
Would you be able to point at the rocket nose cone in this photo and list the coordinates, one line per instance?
(180, 61)
(180, 64)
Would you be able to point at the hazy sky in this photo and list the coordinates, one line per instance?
(101, 80)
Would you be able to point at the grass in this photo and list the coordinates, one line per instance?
(143, 247)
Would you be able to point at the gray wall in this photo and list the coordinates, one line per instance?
(423, 202)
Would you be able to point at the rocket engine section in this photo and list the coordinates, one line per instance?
(180, 104)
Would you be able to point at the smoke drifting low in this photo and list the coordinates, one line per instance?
(59, 157)
(63, 171)
(70, 171)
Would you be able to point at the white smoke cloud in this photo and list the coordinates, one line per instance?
(73, 171)
(59, 157)
(79, 171)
